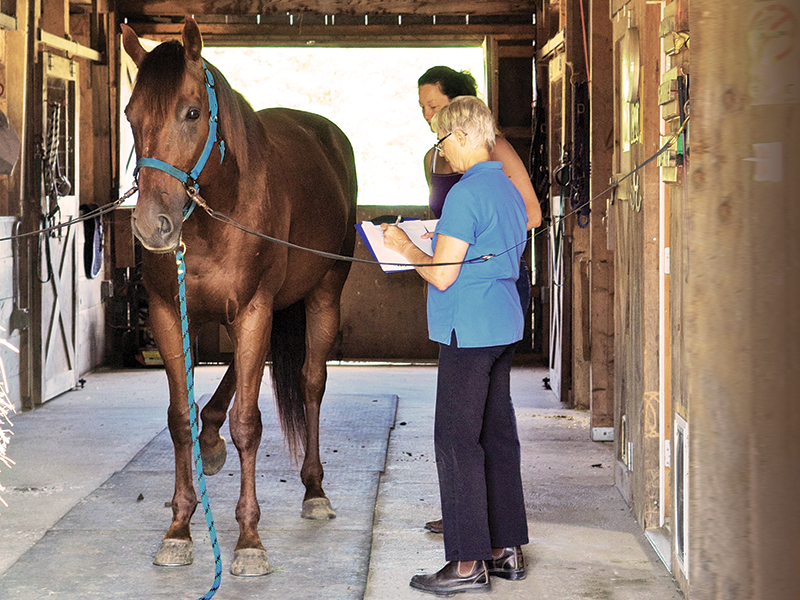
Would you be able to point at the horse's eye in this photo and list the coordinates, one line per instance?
(193, 114)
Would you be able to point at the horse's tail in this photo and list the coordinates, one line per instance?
(288, 354)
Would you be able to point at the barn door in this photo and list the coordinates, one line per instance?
(57, 276)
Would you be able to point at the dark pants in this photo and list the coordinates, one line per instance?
(477, 452)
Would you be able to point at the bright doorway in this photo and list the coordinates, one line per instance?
(371, 93)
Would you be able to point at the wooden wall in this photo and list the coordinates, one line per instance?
(383, 314)
(587, 323)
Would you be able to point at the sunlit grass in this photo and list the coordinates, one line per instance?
(371, 93)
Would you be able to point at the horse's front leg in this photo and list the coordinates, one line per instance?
(176, 547)
(251, 342)
(322, 327)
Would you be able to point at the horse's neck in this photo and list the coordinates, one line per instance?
(239, 187)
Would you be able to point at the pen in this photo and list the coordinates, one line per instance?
(399, 218)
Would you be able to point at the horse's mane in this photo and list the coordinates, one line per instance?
(238, 124)
(162, 71)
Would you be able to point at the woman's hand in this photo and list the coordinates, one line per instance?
(395, 238)
(442, 268)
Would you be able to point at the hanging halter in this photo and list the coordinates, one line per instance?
(189, 180)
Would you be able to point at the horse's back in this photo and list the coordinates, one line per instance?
(305, 138)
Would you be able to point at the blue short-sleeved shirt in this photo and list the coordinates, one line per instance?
(485, 210)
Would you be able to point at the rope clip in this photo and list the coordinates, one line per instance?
(180, 253)
(193, 191)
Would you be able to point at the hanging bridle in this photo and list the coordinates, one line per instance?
(189, 179)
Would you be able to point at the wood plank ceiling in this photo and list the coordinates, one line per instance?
(263, 22)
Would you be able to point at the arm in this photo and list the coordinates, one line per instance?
(518, 174)
(426, 162)
(448, 250)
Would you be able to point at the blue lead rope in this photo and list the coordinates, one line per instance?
(198, 460)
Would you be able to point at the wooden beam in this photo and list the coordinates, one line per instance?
(328, 7)
(8, 22)
(73, 48)
(368, 35)
(552, 44)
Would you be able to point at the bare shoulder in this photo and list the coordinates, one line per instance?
(427, 159)
(517, 172)
(504, 152)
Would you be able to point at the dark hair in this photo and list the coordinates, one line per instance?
(452, 83)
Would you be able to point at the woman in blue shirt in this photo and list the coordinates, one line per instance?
(474, 313)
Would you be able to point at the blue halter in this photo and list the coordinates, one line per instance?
(189, 180)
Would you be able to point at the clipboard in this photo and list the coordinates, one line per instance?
(391, 261)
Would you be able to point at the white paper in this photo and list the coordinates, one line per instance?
(372, 235)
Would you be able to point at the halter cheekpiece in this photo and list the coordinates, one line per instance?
(189, 180)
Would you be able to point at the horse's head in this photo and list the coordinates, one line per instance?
(169, 114)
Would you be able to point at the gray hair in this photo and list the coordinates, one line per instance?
(470, 115)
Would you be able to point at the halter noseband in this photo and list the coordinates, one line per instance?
(189, 180)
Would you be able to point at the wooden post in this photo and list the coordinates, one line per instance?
(742, 284)
(601, 90)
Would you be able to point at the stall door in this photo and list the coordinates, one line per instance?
(58, 256)
(556, 292)
(560, 352)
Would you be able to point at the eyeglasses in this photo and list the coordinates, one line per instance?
(438, 145)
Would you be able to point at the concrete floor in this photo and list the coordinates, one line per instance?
(76, 527)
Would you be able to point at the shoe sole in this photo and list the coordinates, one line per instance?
(471, 590)
(509, 575)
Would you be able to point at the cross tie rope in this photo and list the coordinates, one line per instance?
(198, 460)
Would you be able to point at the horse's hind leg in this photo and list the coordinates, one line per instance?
(322, 328)
(212, 444)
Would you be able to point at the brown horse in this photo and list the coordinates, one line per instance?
(284, 173)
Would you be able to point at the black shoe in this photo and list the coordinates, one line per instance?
(434, 526)
(447, 581)
(510, 565)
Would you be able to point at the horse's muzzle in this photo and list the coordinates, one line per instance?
(158, 233)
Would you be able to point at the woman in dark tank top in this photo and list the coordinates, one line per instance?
(439, 184)
(437, 87)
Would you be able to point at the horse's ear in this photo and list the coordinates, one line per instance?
(192, 40)
(130, 41)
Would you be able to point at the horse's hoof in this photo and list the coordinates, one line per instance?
(249, 562)
(213, 463)
(174, 553)
(318, 509)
